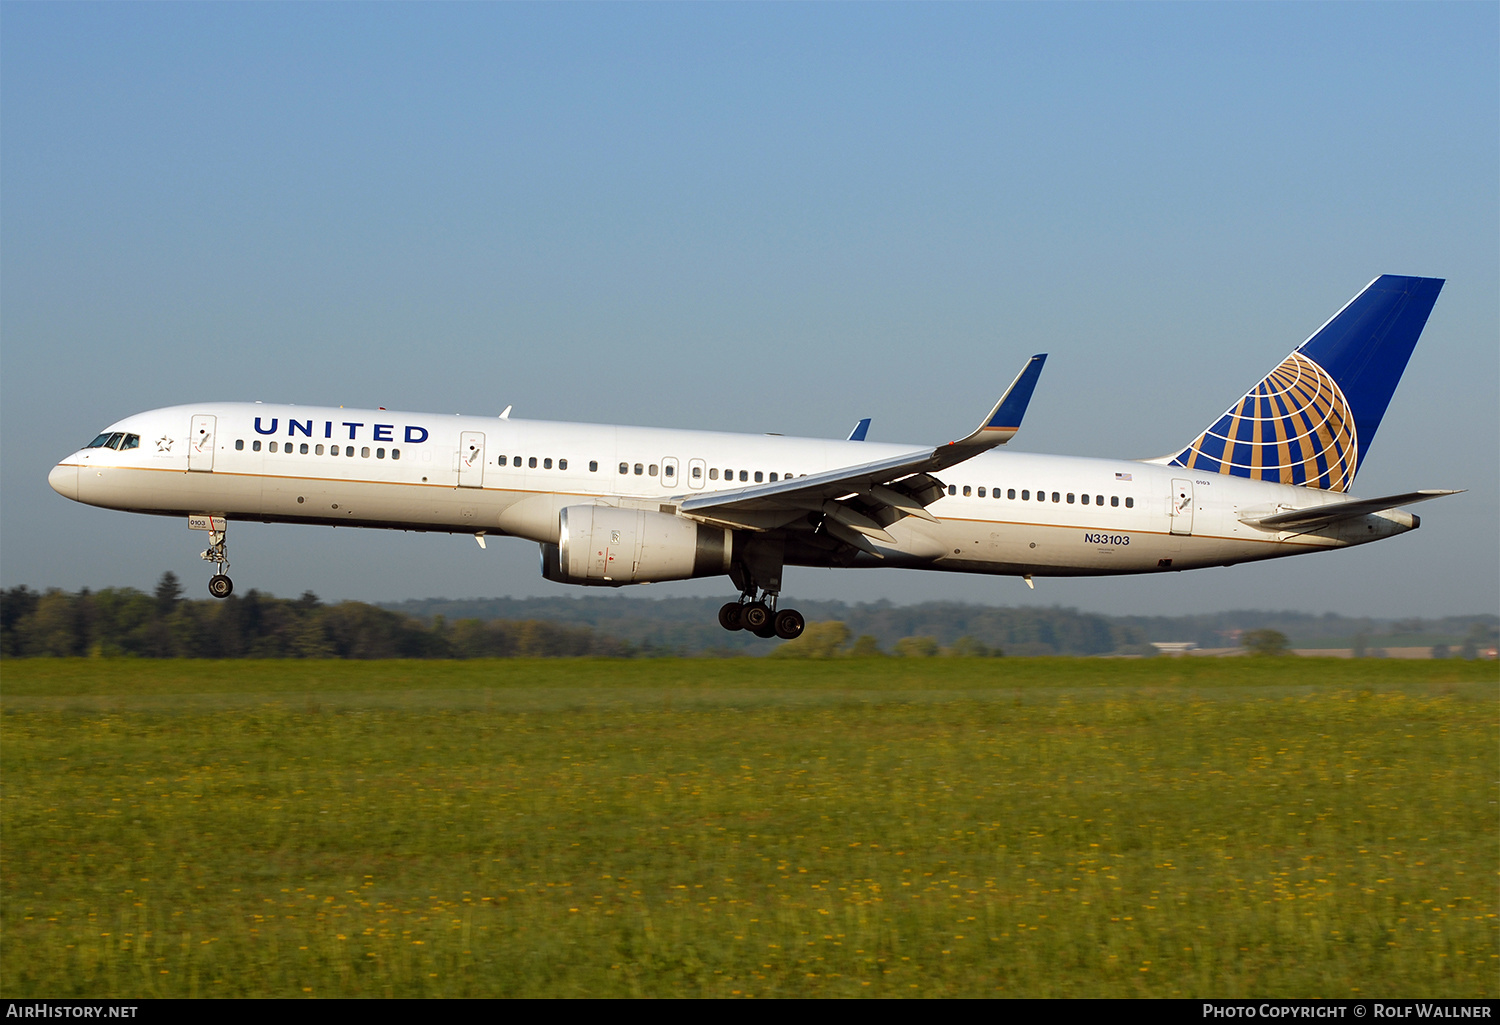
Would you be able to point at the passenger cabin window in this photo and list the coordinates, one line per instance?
(968, 491)
(651, 470)
(1025, 496)
(1130, 503)
(639, 469)
(981, 492)
(1012, 493)
(255, 445)
(272, 447)
(713, 474)
(759, 477)
(302, 448)
(380, 453)
(593, 466)
(1071, 498)
(546, 464)
(952, 489)
(1114, 500)
(239, 444)
(773, 478)
(318, 450)
(395, 453)
(364, 453)
(624, 467)
(562, 464)
(531, 463)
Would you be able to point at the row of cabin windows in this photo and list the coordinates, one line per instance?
(1041, 496)
(668, 471)
(317, 450)
(745, 475)
(546, 464)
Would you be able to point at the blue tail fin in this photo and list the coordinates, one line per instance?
(1312, 419)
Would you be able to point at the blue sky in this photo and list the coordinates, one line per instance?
(743, 217)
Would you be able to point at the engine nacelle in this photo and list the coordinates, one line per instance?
(610, 547)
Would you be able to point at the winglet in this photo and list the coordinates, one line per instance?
(858, 434)
(1005, 419)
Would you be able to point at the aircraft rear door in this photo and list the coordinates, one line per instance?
(471, 459)
(1182, 506)
(697, 473)
(201, 442)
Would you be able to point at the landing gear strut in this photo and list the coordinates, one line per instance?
(219, 585)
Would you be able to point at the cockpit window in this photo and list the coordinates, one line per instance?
(117, 440)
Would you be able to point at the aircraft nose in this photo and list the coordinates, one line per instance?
(64, 480)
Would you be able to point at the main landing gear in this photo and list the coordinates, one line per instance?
(757, 570)
(219, 585)
(761, 618)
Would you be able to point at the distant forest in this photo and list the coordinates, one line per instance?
(164, 624)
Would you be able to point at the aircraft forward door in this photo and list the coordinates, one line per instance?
(471, 459)
(201, 442)
(1182, 507)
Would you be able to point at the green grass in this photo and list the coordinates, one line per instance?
(1184, 827)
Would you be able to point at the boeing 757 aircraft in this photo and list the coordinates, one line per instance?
(627, 505)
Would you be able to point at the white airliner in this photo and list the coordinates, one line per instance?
(626, 505)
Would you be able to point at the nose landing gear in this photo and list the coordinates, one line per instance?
(219, 585)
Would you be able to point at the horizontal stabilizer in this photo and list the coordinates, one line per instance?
(1320, 515)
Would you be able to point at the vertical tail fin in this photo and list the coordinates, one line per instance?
(1312, 419)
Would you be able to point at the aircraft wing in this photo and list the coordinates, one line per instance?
(855, 503)
(1321, 515)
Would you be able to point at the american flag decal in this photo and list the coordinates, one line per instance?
(1124, 476)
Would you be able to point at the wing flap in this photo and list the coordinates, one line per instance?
(854, 504)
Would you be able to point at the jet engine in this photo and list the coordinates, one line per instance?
(610, 547)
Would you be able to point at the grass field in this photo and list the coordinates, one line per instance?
(1189, 827)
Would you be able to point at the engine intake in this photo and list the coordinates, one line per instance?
(609, 547)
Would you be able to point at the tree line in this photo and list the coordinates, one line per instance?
(128, 622)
